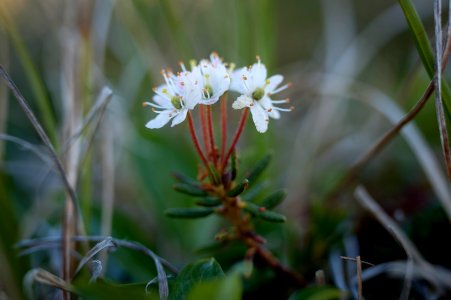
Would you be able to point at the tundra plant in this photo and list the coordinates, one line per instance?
(217, 187)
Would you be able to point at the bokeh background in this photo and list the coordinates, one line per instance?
(354, 71)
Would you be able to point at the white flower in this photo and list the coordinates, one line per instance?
(173, 99)
(256, 92)
(213, 78)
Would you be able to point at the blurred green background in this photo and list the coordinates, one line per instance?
(354, 69)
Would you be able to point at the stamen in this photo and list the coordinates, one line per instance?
(182, 65)
(284, 109)
(284, 87)
(145, 104)
(280, 101)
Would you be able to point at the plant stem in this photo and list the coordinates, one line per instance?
(203, 124)
(236, 137)
(196, 141)
(223, 125)
(211, 136)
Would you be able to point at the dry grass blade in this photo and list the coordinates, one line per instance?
(359, 277)
(98, 107)
(438, 86)
(26, 146)
(159, 262)
(45, 139)
(105, 244)
(437, 276)
(44, 277)
(3, 94)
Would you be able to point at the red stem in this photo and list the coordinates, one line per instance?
(236, 137)
(204, 129)
(223, 126)
(196, 141)
(211, 135)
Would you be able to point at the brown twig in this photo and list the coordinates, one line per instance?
(380, 144)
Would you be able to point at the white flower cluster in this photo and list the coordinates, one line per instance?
(207, 81)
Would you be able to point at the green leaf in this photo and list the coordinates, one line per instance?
(195, 273)
(102, 289)
(318, 293)
(189, 212)
(264, 214)
(189, 189)
(227, 288)
(239, 188)
(209, 201)
(254, 191)
(214, 174)
(184, 179)
(253, 174)
(274, 199)
(424, 47)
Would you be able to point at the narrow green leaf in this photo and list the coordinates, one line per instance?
(424, 48)
(209, 201)
(227, 288)
(189, 189)
(189, 212)
(272, 216)
(184, 179)
(103, 289)
(195, 273)
(37, 85)
(253, 174)
(254, 190)
(262, 213)
(273, 200)
(318, 293)
(239, 189)
(214, 174)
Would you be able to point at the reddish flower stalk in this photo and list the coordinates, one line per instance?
(223, 125)
(196, 141)
(236, 137)
(204, 129)
(211, 135)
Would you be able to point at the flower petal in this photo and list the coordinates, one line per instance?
(260, 117)
(274, 81)
(266, 103)
(242, 102)
(258, 74)
(180, 117)
(237, 84)
(160, 120)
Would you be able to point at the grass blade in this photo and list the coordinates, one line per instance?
(424, 48)
(36, 83)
